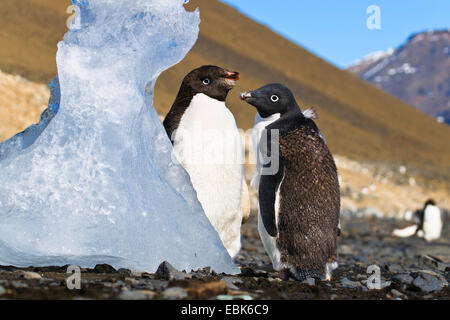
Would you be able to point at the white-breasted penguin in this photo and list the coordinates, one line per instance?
(299, 205)
(427, 223)
(207, 143)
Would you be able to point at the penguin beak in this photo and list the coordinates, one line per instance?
(232, 76)
(245, 96)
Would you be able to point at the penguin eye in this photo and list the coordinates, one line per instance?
(206, 81)
(274, 98)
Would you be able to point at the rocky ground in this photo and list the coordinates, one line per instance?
(409, 268)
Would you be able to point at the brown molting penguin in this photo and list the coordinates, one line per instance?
(299, 205)
(207, 143)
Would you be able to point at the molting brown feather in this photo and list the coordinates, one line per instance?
(309, 202)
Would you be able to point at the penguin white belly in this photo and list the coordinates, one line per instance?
(269, 242)
(432, 224)
(258, 128)
(208, 144)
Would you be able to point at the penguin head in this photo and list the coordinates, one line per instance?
(212, 81)
(429, 202)
(271, 99)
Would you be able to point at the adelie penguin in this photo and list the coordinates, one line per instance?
(207, 143)
(299, 201)
(427, 223)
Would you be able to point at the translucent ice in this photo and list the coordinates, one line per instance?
(98, 185)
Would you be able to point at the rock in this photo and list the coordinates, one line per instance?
(373, 286)
(249, 272)
(175, 293)
(427, 283)
(437, 275)
(147, 275)
(345, 249)
(262, 273)
(346, 283)
(237, 293)
(196, 275)
(131, 281)
(28, 275)
(202, 290)
(428, 261)
(81, 298)
(310, 281)
(206, 270)
(369, 212)
(167, 272)
(396, 293)
(104, 268)
(395, 268)
(231, 282)
(2, 291)
(239, 297)
(403, 278)
(124, 272)
(137, 295)
(136, 274)
(159, 284)
(148, 293)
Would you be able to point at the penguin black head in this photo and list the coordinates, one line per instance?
(212, 81)
(429, 202)
(271, 99)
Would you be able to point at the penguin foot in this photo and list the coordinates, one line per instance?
(329, 268)
(285, 274)
(299, 274)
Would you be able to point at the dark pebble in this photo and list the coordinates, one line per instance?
(167, 272)
(104, 268)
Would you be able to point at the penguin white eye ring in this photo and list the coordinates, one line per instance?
(274, 98)
(206, 81)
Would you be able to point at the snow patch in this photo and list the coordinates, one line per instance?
(403, 69)
(373, 57)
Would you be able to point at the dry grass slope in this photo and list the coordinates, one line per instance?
(359, 121)
(21, 103)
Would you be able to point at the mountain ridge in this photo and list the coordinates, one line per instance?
(417, 71)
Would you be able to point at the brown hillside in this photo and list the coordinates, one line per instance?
(358, 120)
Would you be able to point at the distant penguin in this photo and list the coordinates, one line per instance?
(299, 205)
(207, 143)
(428, 223)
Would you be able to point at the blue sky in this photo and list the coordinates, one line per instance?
(336, 29)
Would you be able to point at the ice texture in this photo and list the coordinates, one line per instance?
(98, 184)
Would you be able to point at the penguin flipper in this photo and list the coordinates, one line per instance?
(268, 186)
(267, 202)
